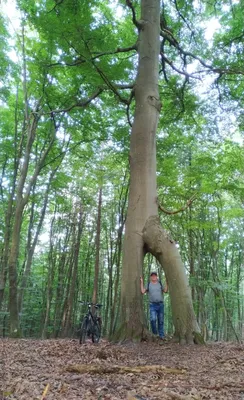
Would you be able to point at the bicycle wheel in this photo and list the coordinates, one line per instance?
(83, 331)
(96, 332)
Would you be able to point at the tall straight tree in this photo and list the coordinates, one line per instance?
(98, 235)
(143, 232)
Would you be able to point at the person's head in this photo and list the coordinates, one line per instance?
(153, 276)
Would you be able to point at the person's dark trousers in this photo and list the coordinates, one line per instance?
(157, 318)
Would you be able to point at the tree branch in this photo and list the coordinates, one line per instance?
(132, 94)
(182, 17)
(83, 103)
(81, 60)
(120, 369)
(189, 202)
(134, 20)
(173, 41)
(186, 74)
(118, 50)
(57, 4)
(106, 80)
(87, 101)
(110, 85)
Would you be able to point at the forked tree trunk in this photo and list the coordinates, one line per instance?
(142, 192)
(142, 206)
(166, 252)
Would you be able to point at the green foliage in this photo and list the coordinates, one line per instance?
(70, 52)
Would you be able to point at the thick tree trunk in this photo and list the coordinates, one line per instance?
(142, 193)
(142, 206)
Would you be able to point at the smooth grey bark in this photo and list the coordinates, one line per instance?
(142, 206)
(142, 192)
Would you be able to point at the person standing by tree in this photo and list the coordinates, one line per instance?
(155, 290)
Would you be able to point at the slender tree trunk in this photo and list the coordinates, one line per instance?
(61, 283)
(110, 258)
(50, 279)
(13, 302)
(70, 300)
(122, 218)
(31, 246)
(68, 275)
(238, 291)
(96, 275)
(116, 282)
(9, 212)
(142, 205)
(191, 255)
(22, 198)
(4, 260)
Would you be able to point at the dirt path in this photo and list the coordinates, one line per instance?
(27, 367)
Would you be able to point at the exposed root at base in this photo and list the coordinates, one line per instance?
(194, 338)
(126, 335)
(198, 338)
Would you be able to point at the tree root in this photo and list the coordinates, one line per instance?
(126, 334)
(198, 338)
(120, 369)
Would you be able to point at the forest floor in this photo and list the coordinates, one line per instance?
(47, 369)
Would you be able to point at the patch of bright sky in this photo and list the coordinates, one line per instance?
(12, 16)
(118, 9)
(211, 27)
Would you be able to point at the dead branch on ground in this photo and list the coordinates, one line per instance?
(120, 369)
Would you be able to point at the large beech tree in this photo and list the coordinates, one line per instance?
(143, 232)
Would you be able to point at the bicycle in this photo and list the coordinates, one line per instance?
(91, 324)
